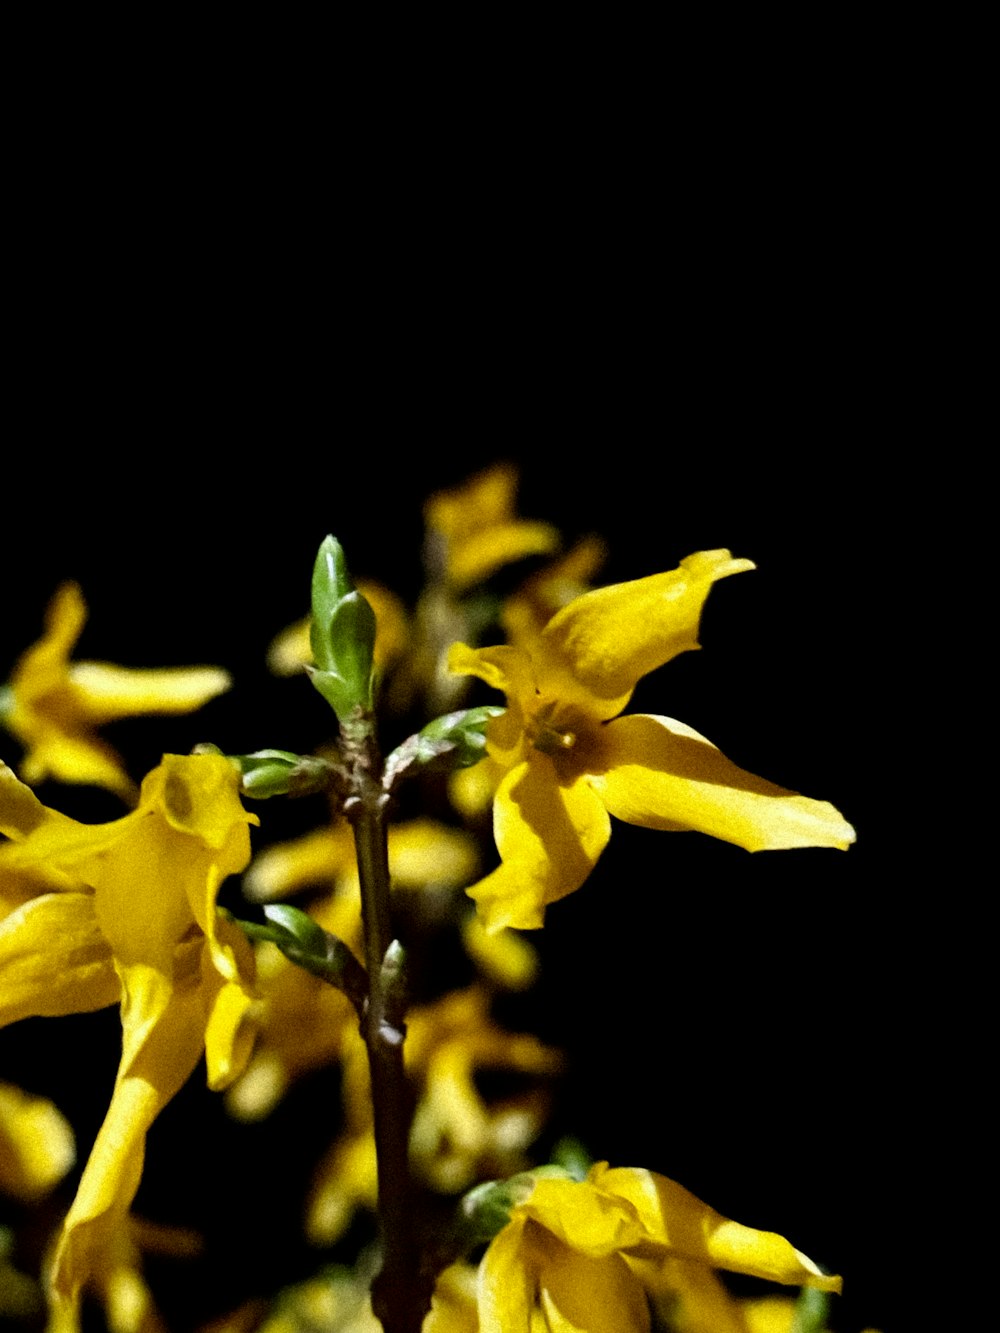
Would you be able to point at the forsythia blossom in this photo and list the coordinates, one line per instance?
(126, 911)
(53, 706)
(473, 530)
(569, 761)
(591, 1254)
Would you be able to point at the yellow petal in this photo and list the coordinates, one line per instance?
(483, 553)
(57, 705)
(107, 692)
(600, 645)
(507, 1277)
(36, 1144)
(580, 1294)
(54, 959)
(318, 858)
(229, 1036)
(683, 1225)
(657, 772)
(593, 1221)
(505, 957)
(549, 837)
(473, 529)
(691, 1295)
(21, 812)
(162, 1039)
(453, 1304)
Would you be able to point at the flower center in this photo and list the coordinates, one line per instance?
(550, 732)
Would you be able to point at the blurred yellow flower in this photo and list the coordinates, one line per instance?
(569, 761)
(473, 530)
(305, 1023)
(53, 706)
(578, 1254)
(458, 1136)
(37, 1147)
(126, 911)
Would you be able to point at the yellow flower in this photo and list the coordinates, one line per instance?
(472, 531)
(577, 1254)
(127, 911)
(569, 761)
(37, 1147)
(53, 706)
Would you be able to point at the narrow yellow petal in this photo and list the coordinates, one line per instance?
(657, 772)
(483, 553)
(317, 858)
(107, 692)
(549, 837)
(21, 812)
(600, 645)
(683, 1225)
(162, 1039)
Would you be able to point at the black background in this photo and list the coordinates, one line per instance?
(199, 400)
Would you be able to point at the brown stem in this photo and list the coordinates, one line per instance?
(400, 1296)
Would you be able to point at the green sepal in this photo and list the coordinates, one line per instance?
(572, 1156)
(342, 634)
(6, 701)
(268, 773)
(305, 943)
(811, 1310)
(486, 1210)
(455, 740)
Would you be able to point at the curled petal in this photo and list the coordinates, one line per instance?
(549, 838)
(659, 773)
(600, 645)
(675, 1219)
(228, 1002)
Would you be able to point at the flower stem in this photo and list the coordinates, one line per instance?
(400, 1297)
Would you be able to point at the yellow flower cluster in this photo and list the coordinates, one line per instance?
(125, 912)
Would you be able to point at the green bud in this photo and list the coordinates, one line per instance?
(393, 977)
(342, 634)
(456, 740)
(282, 773)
